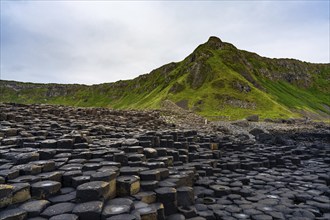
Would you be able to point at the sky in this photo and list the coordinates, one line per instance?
(91, 42)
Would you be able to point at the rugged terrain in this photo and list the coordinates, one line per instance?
(63, 163)
(216, 80)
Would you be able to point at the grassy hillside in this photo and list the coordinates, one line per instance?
(217, 79)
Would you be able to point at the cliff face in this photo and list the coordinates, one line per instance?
(217, 79)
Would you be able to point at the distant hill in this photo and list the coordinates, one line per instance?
(216, 79)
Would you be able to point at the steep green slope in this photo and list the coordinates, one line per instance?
(217, 79)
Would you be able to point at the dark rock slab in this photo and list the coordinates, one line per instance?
(35, 207)
(88, 210)
(58, 209)
(21, 192)
(185, 196)
(147, 213)
(69, 197)
(44, 189)
(127, 185)
(6, 195)
(13, 214)
(65, 217)
(123, 217)
(110, 210)
(95, 190)
(147, 197)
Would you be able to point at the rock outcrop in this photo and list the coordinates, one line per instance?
(93, 163)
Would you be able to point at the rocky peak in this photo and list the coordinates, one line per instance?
(203, 51)
(214, 43)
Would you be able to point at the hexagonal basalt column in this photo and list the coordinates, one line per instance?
(128, 171)
(120, 157)
(44, 189)
(123, 216)
(164, 173)
(107, 176)
(149, 185)
(9, 174)
(46, 165)
(49, 143)
(65, 216)
(78, 180)
(150, 152)
(147, 197)
(128, 185)
(91, 166)
(186, 196)
(58, 209)
(14, 213)
(67, 177)
(167, 196)
(150, 175)
(35, 207)
(95, 190)
(65, 143)
(135, 149)
(147, 213)
(160, 210)
(115, 207)
(136, 157)
(6, 195)
(220, 190)
(88, 210)
(21, 192)
(25, 178)
(54, 176)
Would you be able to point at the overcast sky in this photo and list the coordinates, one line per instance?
(104, 41)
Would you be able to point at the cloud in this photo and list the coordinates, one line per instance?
(104, 41)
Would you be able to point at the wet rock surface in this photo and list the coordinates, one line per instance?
(92, 163)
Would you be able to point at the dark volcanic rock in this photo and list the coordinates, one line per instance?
(60, 208)
(60, 162)
(65, 217)
(44, 189)
(13, 214)
(34, 208)
(88, 210)
(95, 190)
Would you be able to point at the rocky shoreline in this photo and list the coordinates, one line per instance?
(63, 163)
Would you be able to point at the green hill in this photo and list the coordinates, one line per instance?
(217, 79)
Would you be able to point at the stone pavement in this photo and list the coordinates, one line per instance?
(63, 163)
